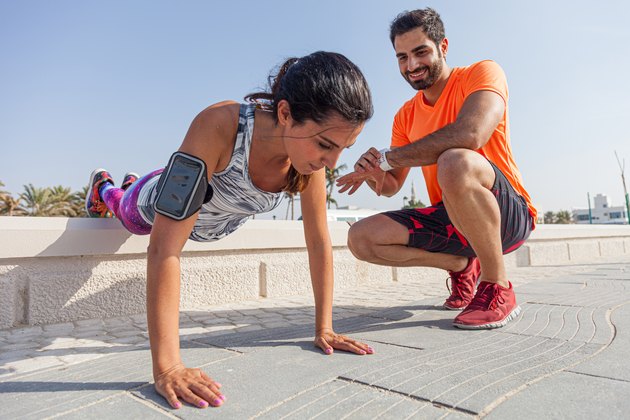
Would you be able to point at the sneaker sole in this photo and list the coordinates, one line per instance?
(448, 308)
(90, 183)
(515, 312)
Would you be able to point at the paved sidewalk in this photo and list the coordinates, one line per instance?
(566, 356)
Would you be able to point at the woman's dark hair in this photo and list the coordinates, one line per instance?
(316, 87)
(426, 19)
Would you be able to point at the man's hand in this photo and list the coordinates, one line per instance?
(327, 340)
(366, 169)
(368, 161)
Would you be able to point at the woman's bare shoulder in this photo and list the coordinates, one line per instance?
(212, 132)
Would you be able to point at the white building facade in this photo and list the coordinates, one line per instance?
(601, 213)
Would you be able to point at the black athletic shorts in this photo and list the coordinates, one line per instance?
(431, 229)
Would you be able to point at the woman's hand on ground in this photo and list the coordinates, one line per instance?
(328, 340)
(190, 385)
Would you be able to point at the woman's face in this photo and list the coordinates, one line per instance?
(311, 146)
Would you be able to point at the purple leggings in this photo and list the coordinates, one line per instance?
(124, 204)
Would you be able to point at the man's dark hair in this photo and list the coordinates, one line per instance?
(426, 19)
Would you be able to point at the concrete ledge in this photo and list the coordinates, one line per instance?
(60, 237)
(57, 269)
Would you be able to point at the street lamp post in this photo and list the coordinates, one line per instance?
(622, 168)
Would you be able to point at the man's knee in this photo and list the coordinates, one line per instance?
(463, 168)
(359, 240)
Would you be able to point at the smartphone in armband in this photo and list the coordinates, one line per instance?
(183, 187)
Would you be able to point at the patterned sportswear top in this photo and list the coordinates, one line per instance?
(235, 197)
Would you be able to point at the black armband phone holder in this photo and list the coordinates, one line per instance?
(183, 187)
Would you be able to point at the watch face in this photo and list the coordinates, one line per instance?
(382, 161)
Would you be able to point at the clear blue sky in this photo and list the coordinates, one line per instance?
(115, 84)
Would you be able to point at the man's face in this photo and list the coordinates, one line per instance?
(419, 59)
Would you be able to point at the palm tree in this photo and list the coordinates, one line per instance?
(37, 201)
(78, 202)
(9, 205)
(55, 201)
(549, 217)
(291, 205)
(563, 217)
(61, 202)
(331, 177)
(331, 200)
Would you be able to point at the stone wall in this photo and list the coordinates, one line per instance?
(56, 269)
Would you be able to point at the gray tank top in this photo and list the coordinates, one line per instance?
(235, 197)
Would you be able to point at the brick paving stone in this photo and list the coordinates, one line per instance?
(279, 324)
(97, 323)
(132, 340)
(221, 328)
(94, 335)
(203, 318)
(60, 344)
(138, 318)
(248, 328)
(125, 333)
(192, 331)
(8, 356)
(20, 346)
(55, 330)
(215, 321)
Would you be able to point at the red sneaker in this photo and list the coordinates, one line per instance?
(492, 307)
(462, 285)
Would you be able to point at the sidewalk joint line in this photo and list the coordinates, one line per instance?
(397, 345)
(209, 345)
(151, 405)
(599, 376)
(556, 304)
(410, 396)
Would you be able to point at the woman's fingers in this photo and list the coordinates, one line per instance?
(343, 343)
(205, 392)
(323, 344)
(329, 341)
(170, 397)
(191, 385)
(359, 345)
(186, 394)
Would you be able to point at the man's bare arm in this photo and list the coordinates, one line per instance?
(481, 113)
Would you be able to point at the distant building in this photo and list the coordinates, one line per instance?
(602, 213)
(411, 202)
(350, 214)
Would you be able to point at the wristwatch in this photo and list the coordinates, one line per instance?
(382, 161)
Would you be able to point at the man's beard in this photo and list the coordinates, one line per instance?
(434, 72)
